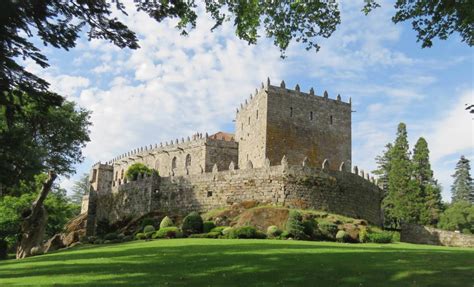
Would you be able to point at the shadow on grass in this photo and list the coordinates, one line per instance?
(239, 263)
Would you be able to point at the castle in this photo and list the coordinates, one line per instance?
(289, 148)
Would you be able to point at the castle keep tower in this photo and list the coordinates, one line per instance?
(279, 122)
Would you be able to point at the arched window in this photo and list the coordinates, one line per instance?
(291, 111)
(310, 116)
(121, 174)
(116, 175)
(188, 160)
(173, 163)
(330, 120)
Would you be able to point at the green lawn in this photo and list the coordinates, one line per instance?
(212, 262)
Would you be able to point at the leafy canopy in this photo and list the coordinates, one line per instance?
(137, 169)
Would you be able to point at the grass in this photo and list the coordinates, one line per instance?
(212, 262)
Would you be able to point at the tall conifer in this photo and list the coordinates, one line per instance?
(430, 191)
(462, 188)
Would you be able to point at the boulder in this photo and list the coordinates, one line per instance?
(54, 243)
(352, 232)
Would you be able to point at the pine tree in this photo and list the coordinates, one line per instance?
(462, 188)
(402, 200)
(430, 191)
(383, 163)
(79, 189)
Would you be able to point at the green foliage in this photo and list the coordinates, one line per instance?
(111, 236)
(80, 188)
(59, 209)
(310, 227)
(462, 188)
(379, 237)
(206, 235)
(166, 222)
(327, 230)
(273, 232)
(147, 221)
(243, 232)
(168, 232)
(458, 216)
(285, 235)
(192, 224)
(340, 236)
(137, 169)
(226, 231)
(219, 229)
(148, 228)
(208, 226)
(40, 139)
(363, 235)
(383, 166)
(295, 226)
(140, 236)
(3, 249)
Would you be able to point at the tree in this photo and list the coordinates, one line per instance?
(434, 18)
(41, 139)
(383, 164)
(430, 191)
(462, 188)
(80, 188)
(402, 199)
(458, 216)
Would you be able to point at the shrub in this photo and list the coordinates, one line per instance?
(127, 238)
(340, 236)
(273, 231)
(381, 237)
(295, 226)
(147, 221)
(260, 235)
(219, 229)
(3, 249)
(285, 235)
(140, 236)
(192, 224)
(103, 227)
(149, 234)
(309, 227)
(246, 232)
(168, 232)
(328, 230)
(226, 231)
(211, 234)
(137, 169)
(208, 226)
(148, 228)
(363, 235)
(166, 222)
(458, 216)
(111, 236)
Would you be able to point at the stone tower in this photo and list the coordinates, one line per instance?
(277, 122)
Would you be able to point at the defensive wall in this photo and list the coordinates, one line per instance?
(341, 191)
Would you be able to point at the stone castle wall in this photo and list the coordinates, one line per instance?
(296, 186)
(418, 234)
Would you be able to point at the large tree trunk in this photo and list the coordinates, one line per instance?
(34, 221)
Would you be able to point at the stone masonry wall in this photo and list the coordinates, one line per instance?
(418, 234)
(302, 125)
(296, 186)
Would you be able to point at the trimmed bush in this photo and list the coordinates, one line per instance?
(226, 231)
(363, 235)
(192, 224)
(328, 230)
(208, 226)
(3, 249)
(168, 232)
(381, 237)
(285, 235)
(140, 236)
(273, 231)
(295, 226)
(147, 221)
(111, 236)
(260, 235)
(127, 238)
(244, 232)
(166, 222)
(137, 169)
(219, 229)
(148, 228)
(340, 236)
(149, 234)
(206, 235)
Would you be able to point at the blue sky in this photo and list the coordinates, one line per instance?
(175, 86)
